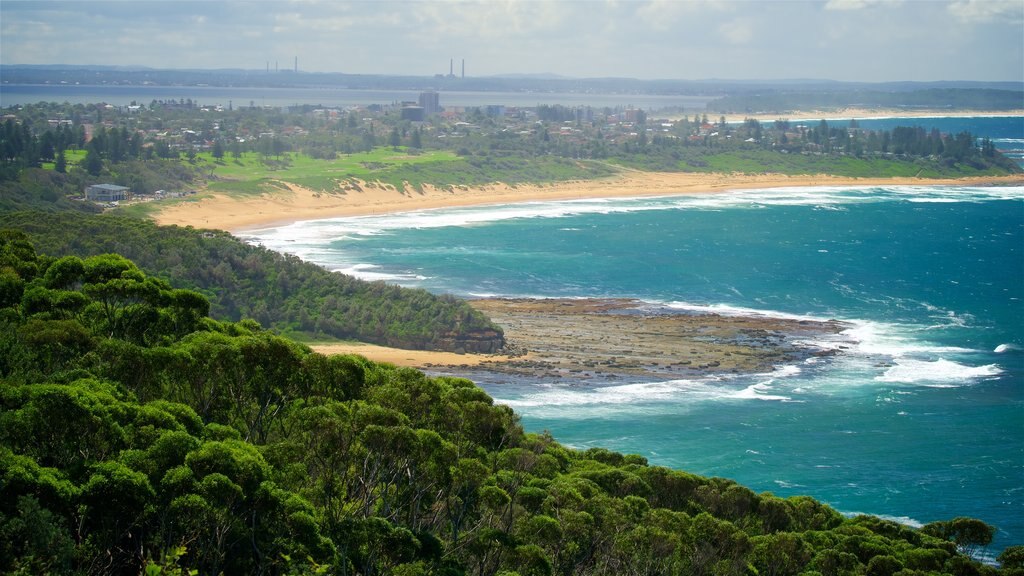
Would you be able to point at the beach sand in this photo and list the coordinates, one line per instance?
(293, 203)
(859, 114)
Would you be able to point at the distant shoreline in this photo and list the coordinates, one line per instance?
(864, 114)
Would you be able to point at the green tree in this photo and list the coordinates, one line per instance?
(969, 534)
(60, 164)
(1012, 558)
(93, 161)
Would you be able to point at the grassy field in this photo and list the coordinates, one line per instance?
(251, 172)
(71, 156)
(254, 174)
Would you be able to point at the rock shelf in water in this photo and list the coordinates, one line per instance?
(580, 338)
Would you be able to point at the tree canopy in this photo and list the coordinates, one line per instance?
(278, 291)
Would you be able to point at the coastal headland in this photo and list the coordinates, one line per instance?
(588, 339)
(565, 338)
(613, 338)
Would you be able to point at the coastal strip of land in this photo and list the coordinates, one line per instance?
(291, 203)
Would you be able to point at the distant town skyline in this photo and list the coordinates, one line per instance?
(847, 40)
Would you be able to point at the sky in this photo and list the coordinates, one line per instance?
(848, 40)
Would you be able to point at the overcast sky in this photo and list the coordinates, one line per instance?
(854, 40)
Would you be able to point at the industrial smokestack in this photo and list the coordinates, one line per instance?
(451, 67)
(296, 64)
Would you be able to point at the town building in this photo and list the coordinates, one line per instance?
(430, 101)
(414, 113)
(107, 193)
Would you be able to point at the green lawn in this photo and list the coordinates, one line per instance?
(71, 156)
(253, 174)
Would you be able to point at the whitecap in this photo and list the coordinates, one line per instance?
(881, 339)
(729, 310)
(365, 272)
(758, 392)
(904, 520)
(941, 373)
(1003, 348)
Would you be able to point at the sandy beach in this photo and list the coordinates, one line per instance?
(860, 114)
(291, 203)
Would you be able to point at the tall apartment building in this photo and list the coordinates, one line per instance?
(430, 102)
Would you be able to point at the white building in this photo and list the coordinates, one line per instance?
(107, 193)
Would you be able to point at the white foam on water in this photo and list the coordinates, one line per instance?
(366, 272)
(881, 339)
(905, 359)
(904, 520)
(939, 373)
(671, 396)
(759, 392)
(822, 197)
(729, 310)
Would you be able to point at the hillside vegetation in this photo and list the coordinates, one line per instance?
(139, 435)
(278, 291)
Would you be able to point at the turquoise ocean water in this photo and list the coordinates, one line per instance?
(919, 418)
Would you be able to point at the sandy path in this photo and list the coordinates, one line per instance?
(411, 358)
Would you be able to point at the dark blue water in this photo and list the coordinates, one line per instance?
(919, 418)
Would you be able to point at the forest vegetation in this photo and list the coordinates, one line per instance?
(279, 291)
(139, 435)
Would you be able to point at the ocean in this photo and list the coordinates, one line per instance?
(918, 418)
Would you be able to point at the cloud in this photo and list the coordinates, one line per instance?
(839, 39)
(737, 31)
(985, 11)
(855, 4)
